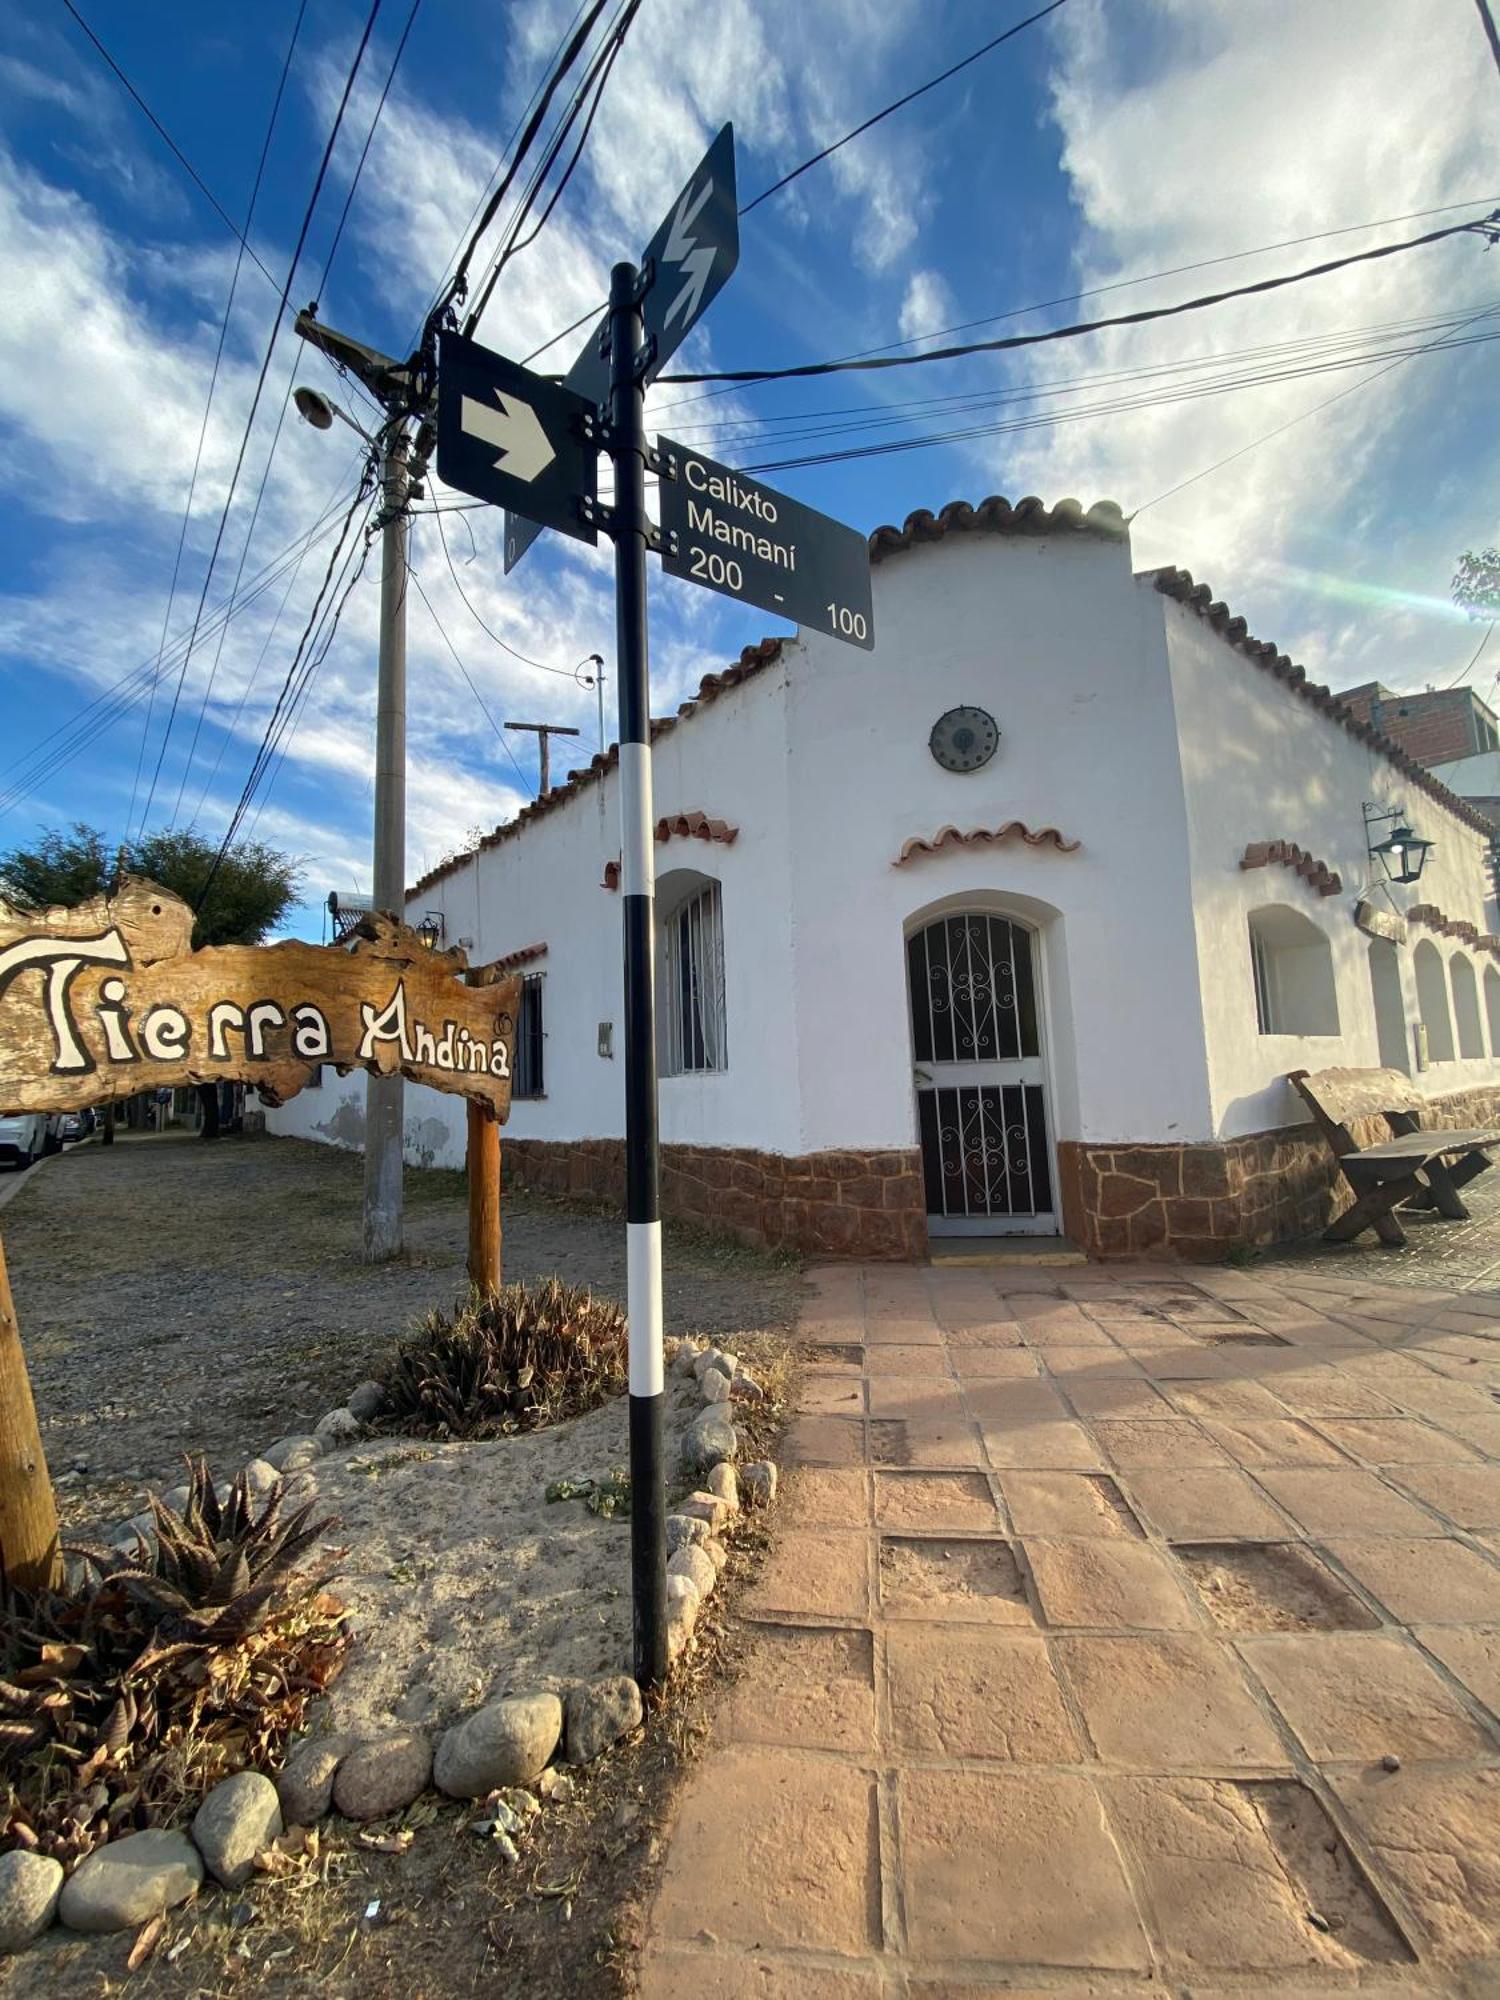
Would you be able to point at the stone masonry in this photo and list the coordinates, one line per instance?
(855, 1204)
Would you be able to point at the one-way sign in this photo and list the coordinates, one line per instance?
(689, 260)
(514, 438)
(748, 541)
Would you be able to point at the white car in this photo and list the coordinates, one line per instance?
(25, 1136)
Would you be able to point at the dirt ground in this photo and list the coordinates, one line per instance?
(176, 1297)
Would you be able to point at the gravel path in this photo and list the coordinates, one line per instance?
(177, 1297)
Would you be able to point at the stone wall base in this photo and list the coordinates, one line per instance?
(827, 1204)
(1197, 1202)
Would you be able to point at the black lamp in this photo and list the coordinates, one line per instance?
(1403, 854)
(431, 929)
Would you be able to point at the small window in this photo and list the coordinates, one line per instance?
(693, 1015)
(529, 1077)
(1291, 968)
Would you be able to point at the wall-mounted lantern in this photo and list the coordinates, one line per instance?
(1403, 854)
(430, 930)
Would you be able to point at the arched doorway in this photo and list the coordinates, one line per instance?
(977, 1064)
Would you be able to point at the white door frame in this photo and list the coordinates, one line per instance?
(931, 1076)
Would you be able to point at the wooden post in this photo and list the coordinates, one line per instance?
(28, 1512)
(484, 1200)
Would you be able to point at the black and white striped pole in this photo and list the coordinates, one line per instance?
(632, 533)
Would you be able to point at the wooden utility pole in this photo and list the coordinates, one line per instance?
(543, 731)
(28, 1512)
(484, 1200)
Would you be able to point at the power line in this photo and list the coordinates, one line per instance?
(457, 285)
(260, 386)
(182, 159)
(595, 81)
(1292, 422)
(1092, 292)
(1489, 28)
(900, 104)
(500, 735)
(213, 383)
(286, 399)
(1142, 318)
(489, 632)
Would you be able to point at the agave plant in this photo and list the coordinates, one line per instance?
(181, 1658)
(512, 1361)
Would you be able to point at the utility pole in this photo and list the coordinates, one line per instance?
(543, 731)
(396, 385)
(632, 535)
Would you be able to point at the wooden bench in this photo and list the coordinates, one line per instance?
(1415, 1168)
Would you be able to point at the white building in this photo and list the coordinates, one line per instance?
(909, 988)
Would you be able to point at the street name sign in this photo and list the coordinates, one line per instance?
(515, 439)
(688, 261)
(748, 541)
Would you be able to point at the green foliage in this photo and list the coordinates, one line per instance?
(524, 1358)
(1476, 582)
(192, 1655)
(605, 1497)
(252, 890)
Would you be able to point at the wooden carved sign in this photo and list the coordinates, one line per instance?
(105, 999)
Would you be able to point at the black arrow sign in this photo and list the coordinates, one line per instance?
(514, 438)
(687, 264)
(749, 541)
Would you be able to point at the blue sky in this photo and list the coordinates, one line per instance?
(1114, 141)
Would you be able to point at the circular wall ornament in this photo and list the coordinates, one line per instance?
(964, 738)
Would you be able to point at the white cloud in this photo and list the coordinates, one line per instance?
(928, 305)
(1190, 129)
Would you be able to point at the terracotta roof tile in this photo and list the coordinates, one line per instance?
(1317, 874)
(525, 956)
(1431, 918)
(680, 826)
(1198, 598)
(996, 516)
(982, 836)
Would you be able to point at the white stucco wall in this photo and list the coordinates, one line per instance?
(1046, 633)
(1260, 763)
(545, 886)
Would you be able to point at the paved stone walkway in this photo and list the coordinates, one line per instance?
(1125, 1625)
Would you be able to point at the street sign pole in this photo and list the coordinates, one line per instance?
(631, 530)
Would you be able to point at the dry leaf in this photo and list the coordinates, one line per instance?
(145, 1943)
(388, 1843)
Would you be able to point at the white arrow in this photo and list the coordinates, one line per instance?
(691, 256)
(513, 429)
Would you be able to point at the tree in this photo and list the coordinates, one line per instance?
(1476, 582)
(251, 889)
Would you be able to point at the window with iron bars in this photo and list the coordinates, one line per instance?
(529, 1077)
(693, 1034)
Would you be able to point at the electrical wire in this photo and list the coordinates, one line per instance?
(1145, 317)
(590, 94)
(489, 632)
(500, 735)
(213, 383)
(285, 403)
(75, 735)
(263, 753)
(1092, 292)
(457, 286)
(177, 153)
(259, 388)
(1291, 423)
(899, 105)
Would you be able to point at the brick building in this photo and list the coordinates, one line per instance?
(1437, 726)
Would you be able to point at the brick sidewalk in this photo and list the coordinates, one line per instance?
(1101, 1604)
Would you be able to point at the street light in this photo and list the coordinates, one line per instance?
(1403, 854)
(316, 409)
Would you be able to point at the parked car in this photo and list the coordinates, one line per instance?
(26, 1135)
(71, 1126)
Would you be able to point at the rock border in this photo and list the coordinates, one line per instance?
(504, 1754)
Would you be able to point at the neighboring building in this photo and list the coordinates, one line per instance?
(1435, 727)
(907, 989)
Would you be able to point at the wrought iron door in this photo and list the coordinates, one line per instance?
(981, 1099)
